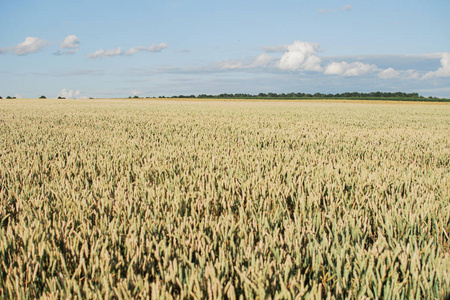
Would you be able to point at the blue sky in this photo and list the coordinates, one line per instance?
(117, 48)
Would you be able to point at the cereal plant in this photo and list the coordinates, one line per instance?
(208, 199)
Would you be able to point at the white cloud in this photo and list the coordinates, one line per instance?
(412, 74)
(68, 94)
(231, 65)
(30, 45)
(70, 42)
(349, 69)
(301, 56)
(152, 48)
(70, 45)
(391, 73)
(105, 53)
(304, 56)
(115, 52)
(66, 52)
(444, 70)
(347, 7)
(262, 60)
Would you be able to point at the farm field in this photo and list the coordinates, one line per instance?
(224, 199)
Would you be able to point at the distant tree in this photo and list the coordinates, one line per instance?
(91, 98)
(42, 97)
(136, 96)
(8, 97)
(61, 97)
(1, 97)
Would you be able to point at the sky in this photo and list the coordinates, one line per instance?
(111, 49)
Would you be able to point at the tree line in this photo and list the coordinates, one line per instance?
(397, 96)
(346, 95)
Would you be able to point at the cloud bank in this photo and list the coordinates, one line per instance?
(300, 56)
(303, 57)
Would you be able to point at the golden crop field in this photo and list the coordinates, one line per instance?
(195, 199)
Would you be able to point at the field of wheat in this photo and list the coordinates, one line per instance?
(240, 200)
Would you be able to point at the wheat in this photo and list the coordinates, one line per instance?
(190, 199)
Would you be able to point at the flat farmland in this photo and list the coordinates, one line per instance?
(224, 199)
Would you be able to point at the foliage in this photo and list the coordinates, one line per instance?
(42, 97)
(161, 199)
(399, 96)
